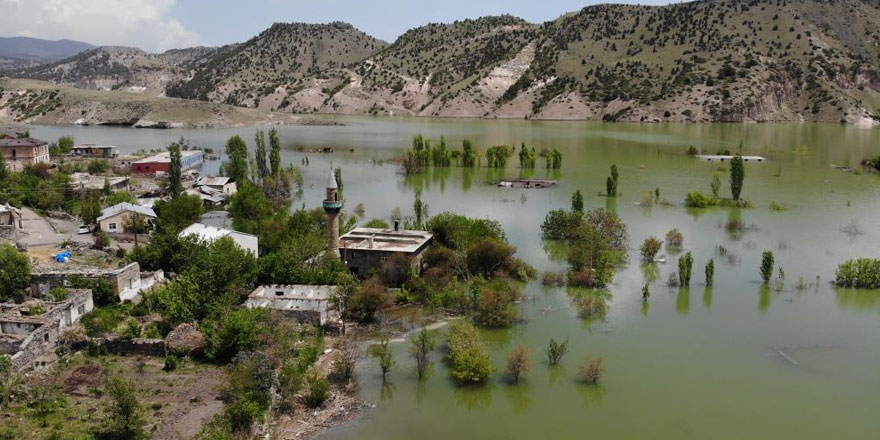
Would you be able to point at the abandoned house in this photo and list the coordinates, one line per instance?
(364, 250)
(10, 218)
(222, 184)
(210, 234)
(113, 219)
(92, 150)
(19, 152)
(29, 332)
(306, 304)
(127, 282)
(87, 182)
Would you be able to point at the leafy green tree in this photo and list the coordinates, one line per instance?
(175, 176)
(495, 304)
(176, 214)
(468, 355)
(237, 167)
(577, 201)
(274, 152)
(685, 266)
(611, 182)
(65, 144)
(9, 381)
(649, 248)
(136, 224)
(385, 356)
(737, 175)
(710, 272)
(120, 197)
(90, 210)
(459, 233)
(716, 185)
(15, 273)
(767, 262)
(487, 256)
(422, 344)
(125, 417)
(421, 210)
(4, 172)
(98, 166)
(249, 384)
(469, 157)
(262, 166)
(556, 351)
(234, 331)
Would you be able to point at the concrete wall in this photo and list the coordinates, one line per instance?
(362, 262)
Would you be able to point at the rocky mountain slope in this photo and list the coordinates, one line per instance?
(23, 52)
(706, 60)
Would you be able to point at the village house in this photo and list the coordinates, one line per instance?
(113, 219)
(364, 250)
(127, 282)
(223, 184)
(306, 304)
(87, 182)
(98, 151)
(29, 332)
(210, 234)
(161, 162)
(19, 152)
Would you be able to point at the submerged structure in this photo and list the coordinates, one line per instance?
(364, 250)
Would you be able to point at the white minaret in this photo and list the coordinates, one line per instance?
(332, 206)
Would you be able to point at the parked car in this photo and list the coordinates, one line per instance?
(84, 229)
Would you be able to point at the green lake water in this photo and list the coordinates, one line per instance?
(731, 362)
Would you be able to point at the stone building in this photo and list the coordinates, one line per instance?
(305, 303)
(364, 250)
(19, 152)
(127, 282)
(30, 335)
(10, 218)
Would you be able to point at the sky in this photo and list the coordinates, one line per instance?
(157, 25)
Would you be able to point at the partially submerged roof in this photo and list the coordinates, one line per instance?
(212, 181)
(387, 240)
(166, 156)
(124, 207)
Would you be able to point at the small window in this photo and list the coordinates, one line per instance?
(112, 227)
(45, 337)
(81, 309)
(279, 293)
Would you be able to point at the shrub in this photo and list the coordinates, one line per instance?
(649, 248)
(674, 239)
(458, 232)
(592, 370)
(495, 306)
(487, 256)
(591, 306)
(124, 414)
(767, 266)
(710, 272)
(697, 199)
(234, 331)
(555, 351)
(132, 330)
(371, 297)
(385, 357)
(318, 389)
(396, 270)
(171, 362)
(862, 273)
(103, 320)
(423, 344)
(15, 273)
(468, 356)
(98, 166)
(249, 382)
(553, 279)
(715, 186)
(519, 362)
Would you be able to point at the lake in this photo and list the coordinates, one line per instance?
(734, 361)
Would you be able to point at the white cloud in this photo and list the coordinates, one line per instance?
(142, 23)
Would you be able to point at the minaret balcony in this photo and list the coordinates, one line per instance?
(333, 206)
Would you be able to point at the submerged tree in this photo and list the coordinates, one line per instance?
(646, 293)
(468, 154)
(519, 362)
(577, 201)
(555, 351)
(526, 157)
(737, 175)
(611, 182)
(767, 262)
(710, 272)
(423, 344)
(385, 357)
(274, 152)
(592, 370)
(685, 265)
(650, 247)
(715, 185)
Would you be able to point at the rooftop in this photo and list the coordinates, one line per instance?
(21, 142)
(210, 233)
(387, 240)
(727, 158)
(94, 147)
(166, 156)
(212, 181)
(293, 291)
(88, 181)
(124, 207)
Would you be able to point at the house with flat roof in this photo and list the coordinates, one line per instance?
(304, 303)
(113, 219)
(210, 234)
(364, 250)
(189, 159)
(127, 282)
(19, 152)
(87, 182)
(92, 150)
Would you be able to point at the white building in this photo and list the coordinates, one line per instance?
(304, 303)
(210, 234)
